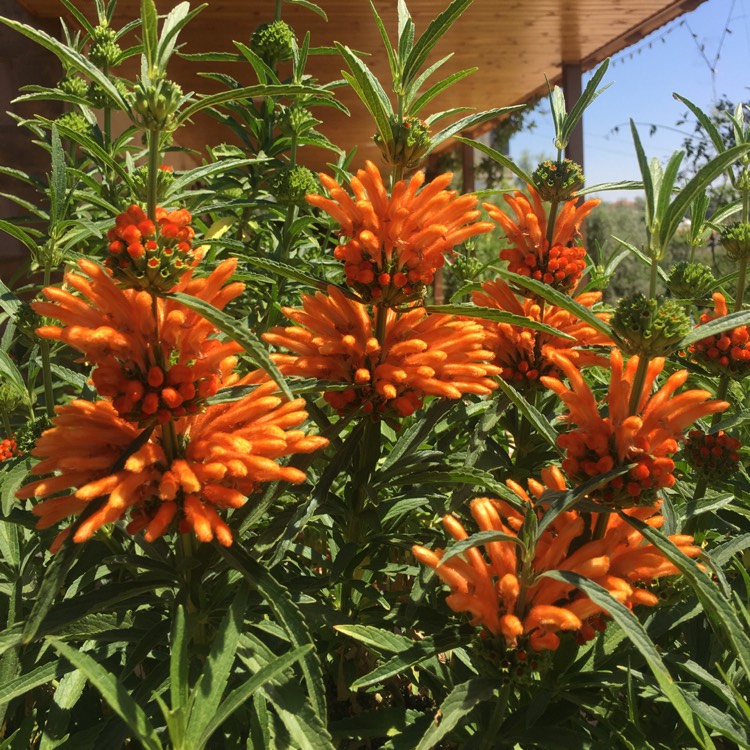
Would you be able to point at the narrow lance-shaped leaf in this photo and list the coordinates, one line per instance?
(590, 93)
(639, 638)
(716, 326)
(706, 123)
(116, 695)
(242, 335)
(496, 156)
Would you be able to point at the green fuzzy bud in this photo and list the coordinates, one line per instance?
(104, 51)
(292, 185)
(735, 239)
(27, 321)
(29, 433)
(295, 120)
(99, 98)
(407, 144)
(10, 397)
(557, 181)
(164, 180)
(156, 104)
(74, 86)
(693, 281)
(648, 326)
(76, 122)
(273, 42)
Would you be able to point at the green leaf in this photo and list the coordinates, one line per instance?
(587, 97)
(58, 180)
(392, 58)
(459, 704)
(666, 188)
(369, 90)
(532, 415)
(716, 326)
(176, 20)
(290, 272)
(663, 275)
(12, 375)
(115, 694)
(179, 685)
(639, 638)
(648, 185)
(310, 6)
(604, 186)
(705, 122)
(69, 57)
(558, 298)
(240, 695)
(150, 35)
(376, 638)
(498, 316)
(10, 482)
(242, 335)
(432, 34)
(477, 540)
(721, 614)
(438, 88)
(287, 614)
(501, 159)
(703, 177)
(216, 670)
(80, 17)
(27, 682)
(21, 235)
(466, 123)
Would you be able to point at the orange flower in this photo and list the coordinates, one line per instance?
(559, 263)
(222, 456)
(8, 448)
(154, 358)
(422, 354)
(716, 456)
(151, 256)
(647, 438)
(727, 352)
(522, 353)
(396, 242)
(508, 595)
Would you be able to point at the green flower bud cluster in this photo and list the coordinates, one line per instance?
(295, 120)
(648, 326)
(407, 144)
(273, 42)
(104, 51)
(27, 321)
(557, 181)
(292, 185)
(76, 122)
(692, 281)
(496, 660)
(74, 86)
(164, 180)
(29, 432)
(156, 103)
(99, 98)
(10, 397)
(735, 239)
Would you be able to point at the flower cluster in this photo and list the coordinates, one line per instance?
(648, 438)
(154, 358)
(8, 448)
(227, 451)
(155, 450)
(726, 352)
(522, 352)
(420, 354)
(509, 595)
(396, 242)
(151, 255)
(559, 263)
(716, 456)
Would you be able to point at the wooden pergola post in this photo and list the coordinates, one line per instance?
(571, 84)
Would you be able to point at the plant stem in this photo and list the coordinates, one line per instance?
(653, 278)
(638, 381)
(6, 423)
(602, 521)
(154, 155)
(490, 737)
(49, 395)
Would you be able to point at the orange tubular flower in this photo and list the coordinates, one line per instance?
(532, 609)
(422, 354)
(148, 255)
(559, 263)
(647, 438)
(522, 353)
(8, 448)
(727, 352)
(155, 359)
(223, 455)
(396, 242)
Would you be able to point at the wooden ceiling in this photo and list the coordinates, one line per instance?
(514, 43)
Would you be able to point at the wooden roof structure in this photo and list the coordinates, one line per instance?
(514, 43)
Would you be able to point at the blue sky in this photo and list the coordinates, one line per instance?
(643, 79)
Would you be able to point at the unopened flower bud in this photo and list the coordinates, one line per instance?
(650, 327)
(408, 142)
(557, 181)
(691, 281)
(273, 42)
(292, 185)
(735, 239)
(74, 86)
(104, 50)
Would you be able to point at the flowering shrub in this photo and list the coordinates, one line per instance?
(234, 419)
